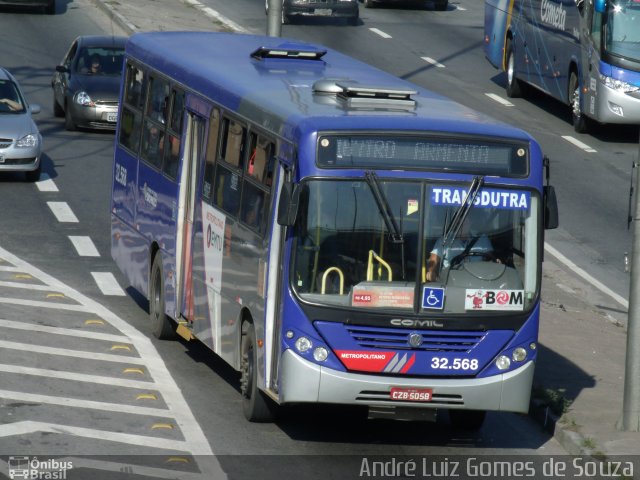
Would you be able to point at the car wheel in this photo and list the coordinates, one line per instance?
(255, 405)
(514, 87)
(33, 175)
(69, 122)
(469, 420)
(354, 20)
(442, 5)
(57, 109)
(51, 8)
(579, 121)
(161, 325)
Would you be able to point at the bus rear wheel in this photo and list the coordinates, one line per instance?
(470, 420)
(514, 87)
(255, 405)
(161, 325)
(579, 121)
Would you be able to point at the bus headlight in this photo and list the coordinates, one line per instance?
(303, 344)
(519, 354)
(503, 362)
(618, 85)
(320, 354)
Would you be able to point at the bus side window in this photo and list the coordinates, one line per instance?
(152, 143)
(131, 120)
(130, 127)
(210, 155)
(227, 190)
(157, 107)
(135, 87)
(260, 164)
(172, 147)
(234, 135)
(253, 206)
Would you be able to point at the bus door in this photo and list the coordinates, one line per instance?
(186, 207)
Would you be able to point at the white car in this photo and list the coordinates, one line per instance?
(20, 140)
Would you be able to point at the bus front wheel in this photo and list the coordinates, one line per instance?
(514, 87)
(580, 122)
(255, 405)
(470, 420)
(161, 326)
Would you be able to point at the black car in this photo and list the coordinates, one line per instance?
(48, 5)
(318, 8)
(437, 4)
(86, 84)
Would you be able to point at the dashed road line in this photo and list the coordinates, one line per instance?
(63, 212)
(65, 352)
(108, 284)
(380, 33)
(84, 246)
(579, 144)
(499, 99)
(45, 184)
(71, 332)
(433, 62)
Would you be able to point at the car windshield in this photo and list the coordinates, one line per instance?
(10, 98)
(100, 61)
(623, 29)
(346, 253)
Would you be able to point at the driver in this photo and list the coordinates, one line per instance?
(470, 242)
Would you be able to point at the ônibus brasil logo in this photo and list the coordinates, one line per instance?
(33, 468)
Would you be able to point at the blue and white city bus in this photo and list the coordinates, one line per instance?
(279, 201)
(585, 53)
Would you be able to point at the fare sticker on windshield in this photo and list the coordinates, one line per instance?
(487, 198)
(379, 296)
(480, 299)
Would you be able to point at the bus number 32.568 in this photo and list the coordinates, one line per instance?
(456, 364)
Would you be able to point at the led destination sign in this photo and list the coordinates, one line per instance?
(428, 153)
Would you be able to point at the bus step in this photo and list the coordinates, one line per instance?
(184, 330)
(403, 413)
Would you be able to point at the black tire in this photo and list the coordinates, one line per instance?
(514, 87)
(442, 5)
(579, 121)
(469, 420)
(57, 109)
(51, 8)
(255, 405)
(33, 175)
(353, 20)
(69, 122)
(161, 325)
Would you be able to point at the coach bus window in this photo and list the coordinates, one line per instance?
(261, 159)
(177, 111)
(253, 204)
(159, 100)
(210, 154)
(233, 138)
(227, 191)
(135, 87)
(131, 121)
(152, 144)
(172, 147)
(596, 27)
(130, 126)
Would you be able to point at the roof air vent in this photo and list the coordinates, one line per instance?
(290, 51)
(357, 95)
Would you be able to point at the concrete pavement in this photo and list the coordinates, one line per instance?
(580, 372)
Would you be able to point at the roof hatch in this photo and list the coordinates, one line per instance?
(289, 50)
(362, 95)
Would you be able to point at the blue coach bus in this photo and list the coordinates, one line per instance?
(280, 202)
(585, 53)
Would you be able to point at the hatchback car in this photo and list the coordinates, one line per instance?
(20, 140)
(86, 85)
(48, 5)
(318, 8)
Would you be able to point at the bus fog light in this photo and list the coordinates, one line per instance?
(533, 345)
(519, 354)
(320, 354)
(503, 362)
(617, 109)
(289, 334)
(303, 344)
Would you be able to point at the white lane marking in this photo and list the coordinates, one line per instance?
(211, 13)
(196, 441)
(45, 184)
(499, 99)
(380, 32)
(71, 332)
(584, 275)
(84, 246)
(579, 144)
(65, 352)
(107, 283)
(53, 305)
(433, 62)
(27, 427)
(79, 403)
(63, 212)
(141, 471)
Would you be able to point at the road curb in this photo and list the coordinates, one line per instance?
(116, 17)
(572, 441)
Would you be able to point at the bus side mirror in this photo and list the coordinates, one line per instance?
(288, 205)
(550, 208)
(600, 5)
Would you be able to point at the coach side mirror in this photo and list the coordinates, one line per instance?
(288, 206)
(600, 6)
(550, 208)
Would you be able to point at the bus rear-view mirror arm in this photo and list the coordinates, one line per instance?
(288, 206)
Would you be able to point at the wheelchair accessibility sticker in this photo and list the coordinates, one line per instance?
(433, 298)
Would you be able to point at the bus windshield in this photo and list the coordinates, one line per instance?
(346, 253)
(623, 29)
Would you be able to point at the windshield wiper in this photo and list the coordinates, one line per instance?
(461, 213)
(395, 234)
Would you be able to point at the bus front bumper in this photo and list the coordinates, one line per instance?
(618, 107)
(302, 381)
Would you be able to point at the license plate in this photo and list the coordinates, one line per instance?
(112, 117)
(325, 12)
(403, 394)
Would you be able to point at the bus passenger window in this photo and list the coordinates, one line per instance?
(170, 165)
(159, 100)
(152, 144)
(260, 163)
(227, 190)
(253, 202)
(210, 154)
(130, 127)
(135, 87)
(233, 141)
(177, 111)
